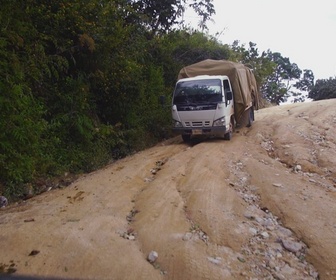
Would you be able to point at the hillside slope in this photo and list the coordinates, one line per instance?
(261, 206)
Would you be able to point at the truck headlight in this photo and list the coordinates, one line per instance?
(219, 122)
(177, 124)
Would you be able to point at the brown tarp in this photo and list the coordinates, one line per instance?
(243, 82)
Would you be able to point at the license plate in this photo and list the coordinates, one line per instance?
(197, 131)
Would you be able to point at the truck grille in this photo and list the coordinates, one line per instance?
(197, 124)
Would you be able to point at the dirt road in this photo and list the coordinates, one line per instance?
(261, 206)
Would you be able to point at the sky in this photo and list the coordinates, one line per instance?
(303, 31)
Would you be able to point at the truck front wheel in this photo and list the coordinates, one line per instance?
(228, 135)
(186, 138)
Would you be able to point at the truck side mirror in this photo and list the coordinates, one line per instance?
(229, 95)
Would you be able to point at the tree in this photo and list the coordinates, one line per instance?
(277, 87)
(261, 64)
(48, 119)
(323, 89)
(205, 9)
(193, 46)
(161, 16)
(303, 85)
(21, 122)
(278, 77)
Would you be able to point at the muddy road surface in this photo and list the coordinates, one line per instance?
(261, 206)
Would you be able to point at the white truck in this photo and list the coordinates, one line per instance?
(211, 97)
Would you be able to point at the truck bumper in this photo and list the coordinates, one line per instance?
(199, 131)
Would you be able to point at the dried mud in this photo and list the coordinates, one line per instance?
(261, 206)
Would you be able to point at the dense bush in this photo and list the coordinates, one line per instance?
(323, 89)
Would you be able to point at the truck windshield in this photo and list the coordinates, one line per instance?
(198, 91)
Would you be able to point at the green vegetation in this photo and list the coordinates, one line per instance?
(323, 89)
(80, 80)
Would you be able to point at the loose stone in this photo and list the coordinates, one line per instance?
(152, 257)
(291, 246)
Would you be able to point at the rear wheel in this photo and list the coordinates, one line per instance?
(250, 117)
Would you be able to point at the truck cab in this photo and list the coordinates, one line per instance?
(203, 106)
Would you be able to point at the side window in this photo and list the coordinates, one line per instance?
(226, 86)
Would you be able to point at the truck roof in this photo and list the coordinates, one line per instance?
(204, 77)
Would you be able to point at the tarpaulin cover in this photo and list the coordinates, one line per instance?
(242, 80)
